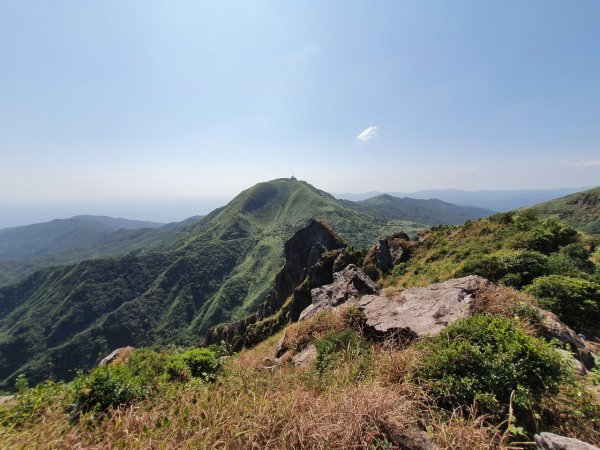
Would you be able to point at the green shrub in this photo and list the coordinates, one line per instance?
(516, 270)
(178, 370)
(574, 300)
(544, 236)
(198, 362)
(527, 312)
(106, 387)
(147, 364)
(484, 359)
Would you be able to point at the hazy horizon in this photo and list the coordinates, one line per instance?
(164, 210)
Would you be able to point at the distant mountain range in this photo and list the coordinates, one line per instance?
(498, 201)
(27, 248)
(430, 212)
(173, 288)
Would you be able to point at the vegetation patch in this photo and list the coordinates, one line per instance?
(490, 361)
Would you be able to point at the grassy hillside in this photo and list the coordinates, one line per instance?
(488, 381)
(23, 250)
(357, 393)
(430, 212)
(211, 271)
(544, 257)
(580, 210)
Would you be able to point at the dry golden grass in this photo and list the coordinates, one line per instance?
(251, 406)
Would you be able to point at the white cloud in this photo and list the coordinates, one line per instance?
(586, 163)
(367, 134)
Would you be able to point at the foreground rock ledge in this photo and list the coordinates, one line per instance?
(550, 441)
(424, 311)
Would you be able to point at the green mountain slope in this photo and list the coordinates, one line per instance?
(23, 250)
(63, 236)
(580, 210)
(431, 212)
(214, 270)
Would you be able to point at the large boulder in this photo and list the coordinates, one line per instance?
(348, 286)
(550, 441)
(423, 311)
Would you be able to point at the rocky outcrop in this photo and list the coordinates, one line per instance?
(117, 355)
(302, 252)
(305, 358)
(348, 286)
(6, 399)
(411, 312)
(423, 311)
(310, 256)
(387, 253)
(550, 441)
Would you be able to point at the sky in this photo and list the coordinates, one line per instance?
(165, 109)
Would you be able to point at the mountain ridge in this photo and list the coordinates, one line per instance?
(213, 270)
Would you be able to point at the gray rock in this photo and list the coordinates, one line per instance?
(573, 362)
(552, 327)
(388, 252)
(422, 311)
(111, 357)
(550, 441)
(348, 286)
(6, 399)
(305, 358)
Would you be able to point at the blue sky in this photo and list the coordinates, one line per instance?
(163, 109)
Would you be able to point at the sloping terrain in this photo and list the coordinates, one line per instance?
(580, 210)
(430, 212)
(26, 249)
(62, 235)
(210, 271)
(467, 363)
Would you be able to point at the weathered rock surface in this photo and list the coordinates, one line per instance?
(552, 327)
(577, 365)
(115, 354)
(422, 311)
(348, 286)
(305, 358)
(550, 441)
(310, 256)
(302, 251)
(387, 252)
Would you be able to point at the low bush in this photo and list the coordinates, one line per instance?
(484, 359)
(576, 301)
(200, 363)
(106, 387)
(515, 270)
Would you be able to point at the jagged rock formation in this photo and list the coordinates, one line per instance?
(302, 252)
(550, 441)
(311, 255)
(348, 286)
(118, 354)
(387, 253)
(425, 311)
